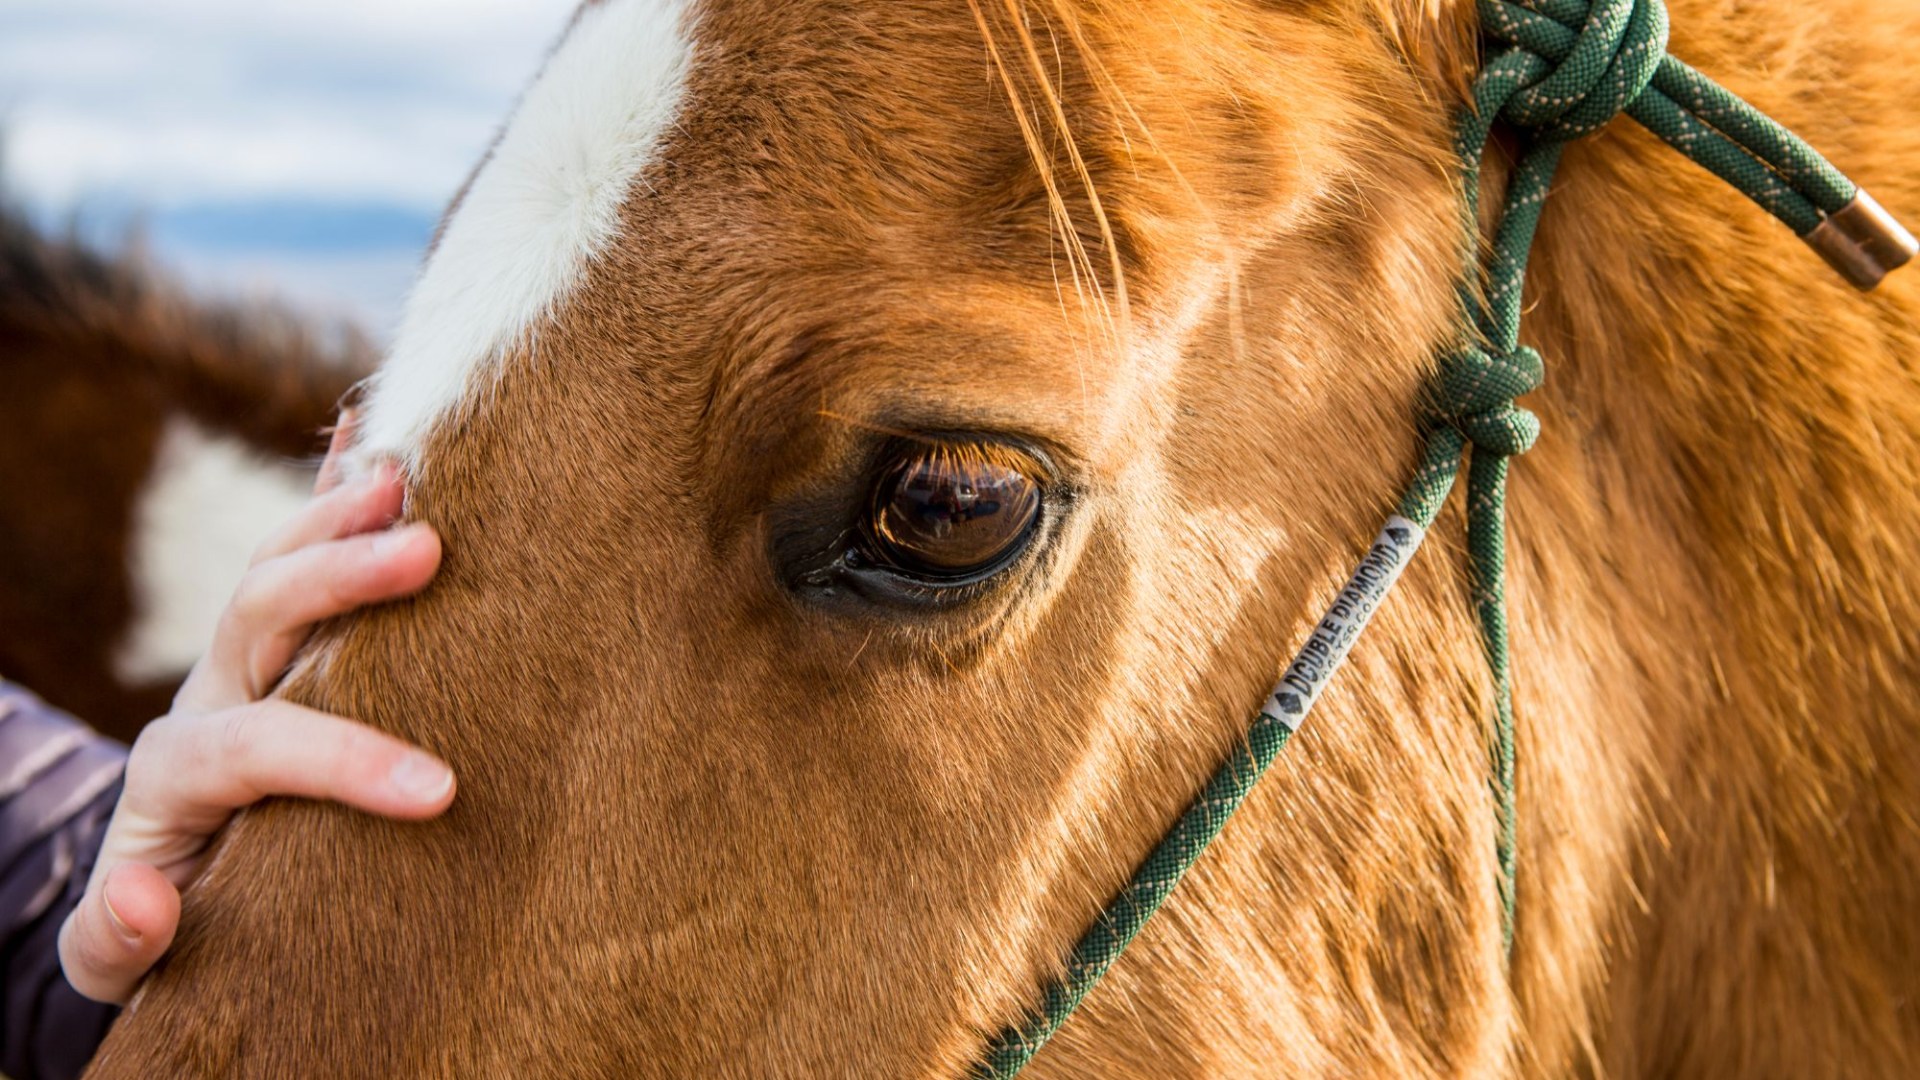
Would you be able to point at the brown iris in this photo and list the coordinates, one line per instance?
(952, 509)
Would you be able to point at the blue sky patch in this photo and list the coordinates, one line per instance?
(292, 226)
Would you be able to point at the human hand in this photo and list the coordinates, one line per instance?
(226, 745)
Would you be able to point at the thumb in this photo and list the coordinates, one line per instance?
(121, 928)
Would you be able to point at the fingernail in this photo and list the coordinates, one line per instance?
(127, 933)
(392, 540)
(420, 777)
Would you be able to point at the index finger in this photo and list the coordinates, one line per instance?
(331, 471)
(372, 502)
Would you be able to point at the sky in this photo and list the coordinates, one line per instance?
(298, 149)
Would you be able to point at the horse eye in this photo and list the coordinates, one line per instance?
(954, 510)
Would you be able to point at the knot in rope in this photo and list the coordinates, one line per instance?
(1593, 58)
(1475, 391)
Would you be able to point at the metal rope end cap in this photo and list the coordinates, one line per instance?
(1863, 241)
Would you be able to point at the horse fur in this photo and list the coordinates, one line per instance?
(707, 828)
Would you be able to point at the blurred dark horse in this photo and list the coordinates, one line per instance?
(97, 354)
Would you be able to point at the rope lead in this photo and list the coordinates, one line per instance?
(1571, 66)
(1564, 69)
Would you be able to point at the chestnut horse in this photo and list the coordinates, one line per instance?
(774, 763)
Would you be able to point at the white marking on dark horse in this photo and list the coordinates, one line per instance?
(208, 503)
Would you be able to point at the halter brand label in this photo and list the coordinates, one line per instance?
(1313, 666)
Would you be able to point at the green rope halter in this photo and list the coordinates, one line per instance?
(1563, 69)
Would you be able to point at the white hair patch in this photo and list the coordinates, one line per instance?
(208, 503)
(544, 204)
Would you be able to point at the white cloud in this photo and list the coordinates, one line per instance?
(137, 102)
(62, 155)
(135, 105)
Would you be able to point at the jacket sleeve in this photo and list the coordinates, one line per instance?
(59, 782)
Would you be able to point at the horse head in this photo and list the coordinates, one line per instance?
(885, 452)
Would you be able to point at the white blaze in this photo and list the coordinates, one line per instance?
(545, 203)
